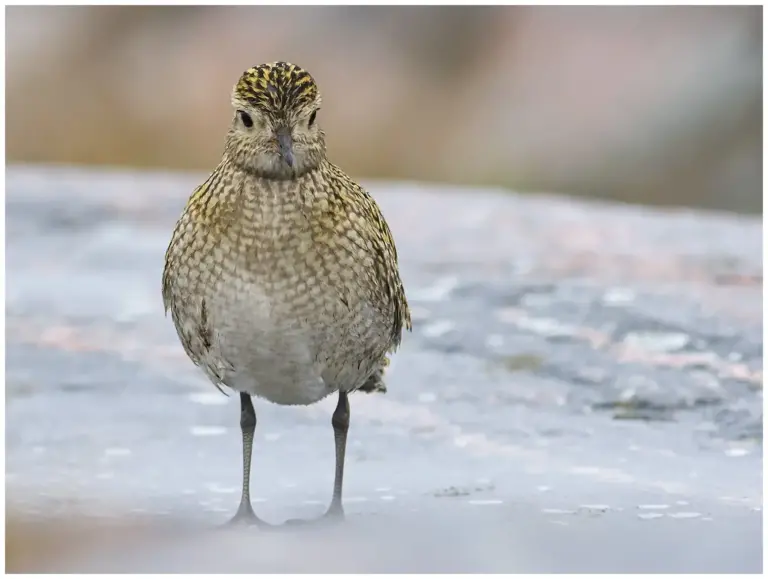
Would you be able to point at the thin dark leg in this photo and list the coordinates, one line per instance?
(247, 426)
(340, 423)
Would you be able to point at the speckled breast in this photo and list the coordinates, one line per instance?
(271, 306)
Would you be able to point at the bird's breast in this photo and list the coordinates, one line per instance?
(277, 298)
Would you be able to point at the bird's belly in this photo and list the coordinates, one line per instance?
(272, 358)
(286, 382)
(288, 344)
(287, 355)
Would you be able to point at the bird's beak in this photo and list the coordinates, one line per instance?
(285, 142)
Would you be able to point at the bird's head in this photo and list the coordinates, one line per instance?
(274, 132)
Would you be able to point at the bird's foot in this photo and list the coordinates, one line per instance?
(334, 514)
(246, 517)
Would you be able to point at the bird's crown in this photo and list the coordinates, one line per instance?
(276, 87)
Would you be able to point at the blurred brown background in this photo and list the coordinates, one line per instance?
(649, 104)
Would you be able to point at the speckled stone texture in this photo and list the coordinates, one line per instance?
(582, 391)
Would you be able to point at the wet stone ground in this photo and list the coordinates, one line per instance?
(582, 391)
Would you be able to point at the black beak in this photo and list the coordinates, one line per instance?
(285, 141)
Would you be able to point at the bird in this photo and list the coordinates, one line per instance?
(281, 275)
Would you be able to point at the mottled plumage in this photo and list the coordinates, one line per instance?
(281, 275)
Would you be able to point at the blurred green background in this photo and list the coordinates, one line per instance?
(657, 105)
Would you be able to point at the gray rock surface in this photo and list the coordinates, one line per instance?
(582, 392)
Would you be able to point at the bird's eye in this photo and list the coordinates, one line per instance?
(312, 118)
(246, 119)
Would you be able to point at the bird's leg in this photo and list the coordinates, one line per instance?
(340, 421)
(247, 426)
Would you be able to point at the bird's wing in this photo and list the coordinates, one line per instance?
(362, 208)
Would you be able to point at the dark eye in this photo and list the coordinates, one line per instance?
(246, 119)
(312, 118)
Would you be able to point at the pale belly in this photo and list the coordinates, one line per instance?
(280, 377)
(276, 364)
(261, 347)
